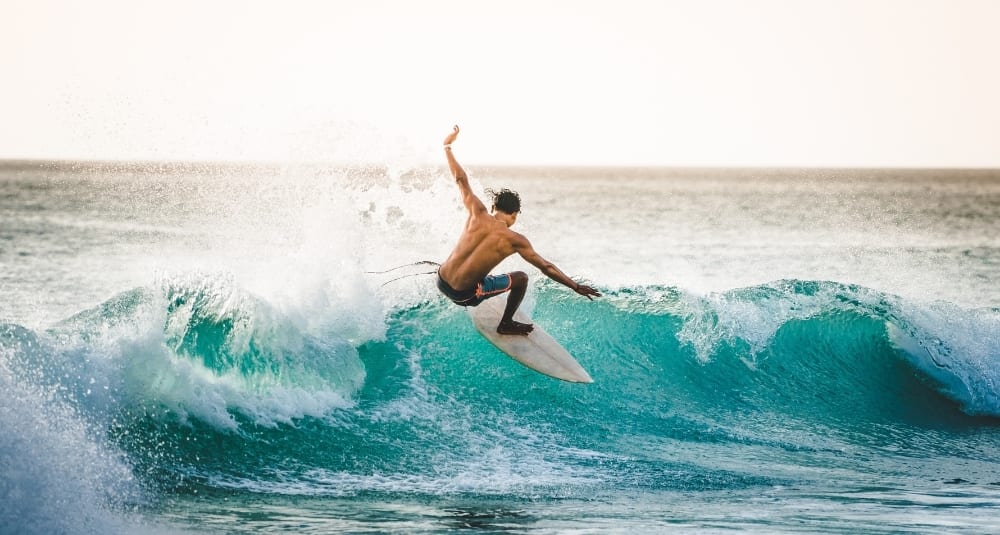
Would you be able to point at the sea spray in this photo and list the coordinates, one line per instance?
(59, 474)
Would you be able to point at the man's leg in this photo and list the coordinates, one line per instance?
(518, 287)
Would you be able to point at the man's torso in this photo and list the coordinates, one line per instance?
(485, 242)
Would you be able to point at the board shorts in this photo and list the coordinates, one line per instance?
(490, 286)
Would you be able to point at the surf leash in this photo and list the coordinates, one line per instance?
(422, 262)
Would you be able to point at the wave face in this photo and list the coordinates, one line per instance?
(195, 385)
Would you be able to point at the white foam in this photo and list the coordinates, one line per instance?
(752, 315)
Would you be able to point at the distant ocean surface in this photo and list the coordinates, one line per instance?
(202, 349)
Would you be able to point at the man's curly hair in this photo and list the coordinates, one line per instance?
(505, 200)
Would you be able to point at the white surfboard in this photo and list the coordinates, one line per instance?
(537, 350)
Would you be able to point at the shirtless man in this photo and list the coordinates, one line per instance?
(486, 240)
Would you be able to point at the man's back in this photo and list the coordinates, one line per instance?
(484, 243)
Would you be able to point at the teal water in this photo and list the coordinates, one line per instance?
(238, 371)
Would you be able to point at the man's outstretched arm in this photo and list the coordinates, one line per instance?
(527, 252)
(469, 199)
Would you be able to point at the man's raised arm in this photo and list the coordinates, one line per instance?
(469, 199)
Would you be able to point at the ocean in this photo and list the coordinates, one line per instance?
(200, 348)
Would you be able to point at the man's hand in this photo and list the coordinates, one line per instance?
(451, 137)
(586, 291)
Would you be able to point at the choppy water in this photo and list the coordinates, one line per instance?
(200, 348)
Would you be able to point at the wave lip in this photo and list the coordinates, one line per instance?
(959, 349)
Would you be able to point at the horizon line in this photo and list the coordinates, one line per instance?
(195, 163)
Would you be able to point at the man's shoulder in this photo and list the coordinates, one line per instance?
(516, 239)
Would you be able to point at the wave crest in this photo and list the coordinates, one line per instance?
(200, 348)
(957, 349)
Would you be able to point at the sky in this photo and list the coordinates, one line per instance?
(875, 83)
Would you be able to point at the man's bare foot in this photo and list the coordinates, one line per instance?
(514, 327)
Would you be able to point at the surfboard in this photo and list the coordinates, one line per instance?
(537, 350)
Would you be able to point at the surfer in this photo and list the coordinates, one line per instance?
(486, 240)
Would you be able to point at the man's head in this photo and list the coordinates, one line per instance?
(506, 202)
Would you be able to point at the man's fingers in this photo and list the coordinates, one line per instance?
(587, 292)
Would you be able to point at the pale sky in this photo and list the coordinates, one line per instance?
(622, 82)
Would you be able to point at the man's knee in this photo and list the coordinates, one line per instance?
(518, 279)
